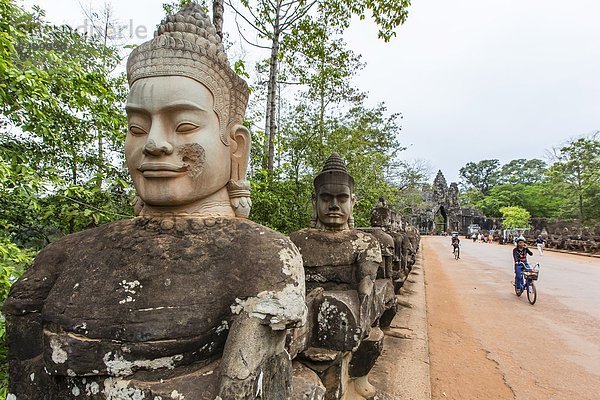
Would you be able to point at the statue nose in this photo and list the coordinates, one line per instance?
(151, 148)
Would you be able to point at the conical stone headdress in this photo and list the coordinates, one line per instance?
(334, 171)
(187, 44)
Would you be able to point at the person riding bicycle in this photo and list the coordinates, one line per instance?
(455, 242)
(520, 253)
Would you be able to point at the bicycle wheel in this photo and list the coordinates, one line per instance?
(531, 293)
(457, 253)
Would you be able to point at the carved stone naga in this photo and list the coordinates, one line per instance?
(188, 300)
(341, 342)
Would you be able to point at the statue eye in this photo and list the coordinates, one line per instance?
(186, 127)
(136, 130)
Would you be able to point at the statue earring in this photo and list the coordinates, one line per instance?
(239, 195)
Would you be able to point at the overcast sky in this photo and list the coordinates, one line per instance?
(474, 79)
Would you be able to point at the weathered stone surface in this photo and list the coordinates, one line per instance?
(344, 262)
(443, 201)
(363, 359)
(388, 315)
(384, 298)
(333, 374)
(566, 235)
(357, 254)
(164, 298)
(186, 301)
(339, 324)
(387, 246)
(300, 338)
(306, 384)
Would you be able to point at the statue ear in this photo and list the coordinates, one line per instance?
(314, 217)
(239, 146)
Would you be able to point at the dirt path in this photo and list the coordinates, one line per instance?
(460, 368)
(486, 343)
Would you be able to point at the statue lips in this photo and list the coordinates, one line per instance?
(334, 215)
(161, 170)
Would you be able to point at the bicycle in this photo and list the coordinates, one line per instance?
(529, 275)
(456, 251)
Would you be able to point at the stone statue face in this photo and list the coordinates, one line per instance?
(173, 150)
(334, 203)
(381, 217)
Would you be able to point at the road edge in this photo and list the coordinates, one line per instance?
(403, 371)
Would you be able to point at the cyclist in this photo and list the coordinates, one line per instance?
(520, 253)
(540, 243)
(455, 242)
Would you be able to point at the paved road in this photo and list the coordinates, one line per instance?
(547, 351)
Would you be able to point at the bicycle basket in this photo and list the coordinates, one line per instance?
(533, 275)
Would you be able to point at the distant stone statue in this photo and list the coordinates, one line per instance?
(343, 262)
(188, 300)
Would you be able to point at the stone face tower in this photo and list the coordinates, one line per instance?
(444, 203)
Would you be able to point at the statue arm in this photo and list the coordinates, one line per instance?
(24, 326)
(254, 361)
(367, 271)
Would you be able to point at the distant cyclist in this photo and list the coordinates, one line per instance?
(455, 243)
(520, 253)
(540, 243)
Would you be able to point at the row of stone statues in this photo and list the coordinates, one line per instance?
(352, 276)
(191, 300)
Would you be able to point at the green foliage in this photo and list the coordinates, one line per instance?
(61, 133)
(522, 171)
(387, 14)
(364, 137)
(281, 204)
(482, 175)
(174, 6)
(515, 217)
(566, 189)
(576, 175)
(61, 130)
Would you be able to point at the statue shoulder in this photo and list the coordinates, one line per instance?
(303, 234)
(29, 292)
(283, 305)
(261, 238)
(367, 246)
(382, 236)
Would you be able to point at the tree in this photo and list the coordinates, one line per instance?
(482, 175)
(577, 172)
(523, 171)
(274, 20)
(58, 94)
(61, 134)
(366, 138)
(321, 62)
(515, 217)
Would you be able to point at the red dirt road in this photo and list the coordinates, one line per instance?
(486, 343)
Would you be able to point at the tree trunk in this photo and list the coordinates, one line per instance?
(100, 176)
(270, 121)
(218, 10)
(322, 93)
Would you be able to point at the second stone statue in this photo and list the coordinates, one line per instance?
(341, 266)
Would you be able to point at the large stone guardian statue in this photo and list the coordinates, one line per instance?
(188, 300)
(341, 262)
